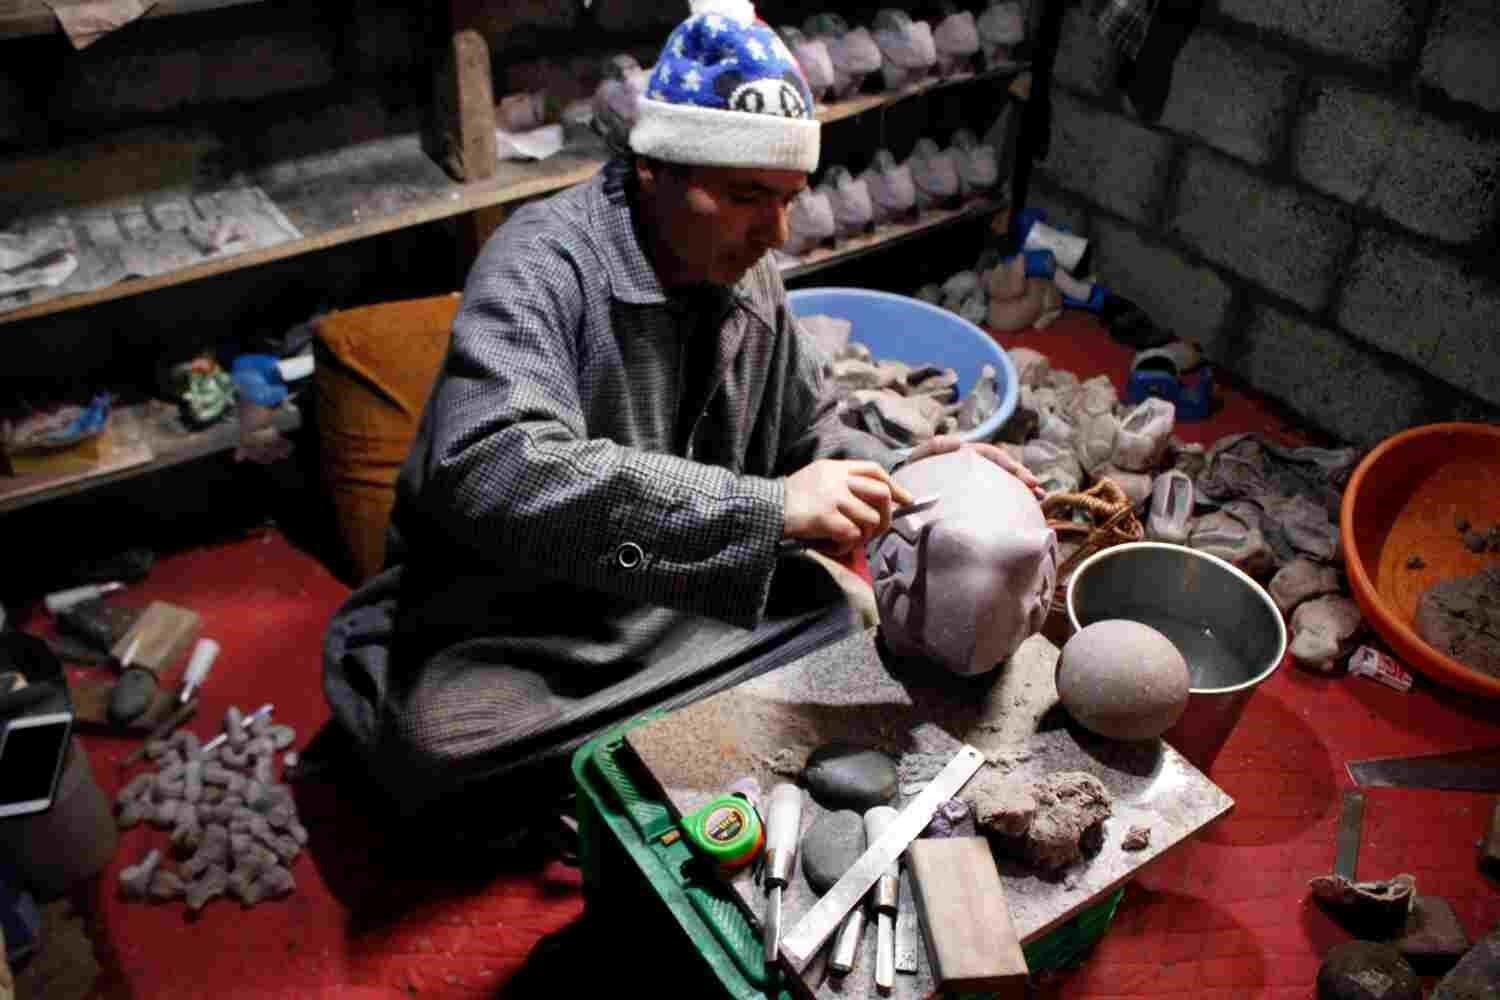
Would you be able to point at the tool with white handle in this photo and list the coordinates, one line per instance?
(877, 821)
(198, 667)
(783, 830)
(824, 918)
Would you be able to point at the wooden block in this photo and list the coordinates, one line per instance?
(91, 706)
(165, 631)
(970, 938)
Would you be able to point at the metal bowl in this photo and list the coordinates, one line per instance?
(1224, 623)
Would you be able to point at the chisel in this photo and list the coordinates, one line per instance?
(877, 820)
(783, 829)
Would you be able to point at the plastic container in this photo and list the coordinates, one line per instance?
(643, 882)
(901, 328)
(1403, 500)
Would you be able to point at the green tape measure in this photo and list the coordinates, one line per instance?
(728, 830)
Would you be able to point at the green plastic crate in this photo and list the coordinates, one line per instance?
(628, 869)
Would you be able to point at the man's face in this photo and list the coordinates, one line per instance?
(714, 223)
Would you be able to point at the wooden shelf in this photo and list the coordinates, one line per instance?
(884, 236)
(26, 18)
(352, 193)
(154, 425)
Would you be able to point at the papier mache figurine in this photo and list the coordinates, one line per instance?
(964, 582)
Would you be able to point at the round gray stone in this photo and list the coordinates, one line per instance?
(830, 846)
(1367, 970)
(131, 696)
(845, 776)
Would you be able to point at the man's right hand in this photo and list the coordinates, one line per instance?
(837, 505)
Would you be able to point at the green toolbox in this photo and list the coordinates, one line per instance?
(638, 865)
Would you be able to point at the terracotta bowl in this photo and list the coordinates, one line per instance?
(1402, 501)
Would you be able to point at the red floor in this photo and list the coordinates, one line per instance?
(1227, 915)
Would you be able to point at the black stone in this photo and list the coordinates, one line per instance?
(1477, 974)
(1367, 970)
(844, 776)
(131, 696)
(1433, 939)
(830, 846)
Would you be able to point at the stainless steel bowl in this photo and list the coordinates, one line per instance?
(1224, 623)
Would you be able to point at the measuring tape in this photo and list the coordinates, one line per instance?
(728, 830)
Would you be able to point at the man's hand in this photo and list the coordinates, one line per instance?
(944, 443)
(838, 505)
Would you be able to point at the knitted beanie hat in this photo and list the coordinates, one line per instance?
(727, 92)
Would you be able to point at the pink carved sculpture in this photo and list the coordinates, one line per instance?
(967, 580)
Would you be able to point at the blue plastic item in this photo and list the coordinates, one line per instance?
(1193, 396)
(900, 328)
(259, 380)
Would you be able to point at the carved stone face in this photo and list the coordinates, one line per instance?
(966, 581)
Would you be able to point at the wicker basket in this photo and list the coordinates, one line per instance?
(1109, 520)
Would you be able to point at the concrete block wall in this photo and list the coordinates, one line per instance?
(1318, 200)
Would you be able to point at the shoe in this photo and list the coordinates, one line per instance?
(1301, 580)
(935, 175)
(956, 38)
(853, 214)
(1001, 29)
(810, 221)
(1233, 534)
(1143, 436)
(853, 52)
(1324, 630)
(907, 50)
(976, 162)
(1171, 507)
(813, 59)
(893, 192)
(1094, 438)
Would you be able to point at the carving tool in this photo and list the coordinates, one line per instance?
(1465, 770)
(825, 916)
(783, 829)
(61, 600)
(905, 510)
(851, 934)
(204, 654)
(1346, 840)
(168, 726)
(877, 821)
(218, 741)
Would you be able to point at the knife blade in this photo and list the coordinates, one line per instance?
(1462, 770)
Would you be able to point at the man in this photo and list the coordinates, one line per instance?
(626, 427)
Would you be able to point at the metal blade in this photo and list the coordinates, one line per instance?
(773, 923)
(1346, 851)
(906, 928)
(824, 918)
(1463, 770)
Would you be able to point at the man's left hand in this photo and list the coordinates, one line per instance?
(945, 443)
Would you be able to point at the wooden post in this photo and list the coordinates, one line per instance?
(462, 134)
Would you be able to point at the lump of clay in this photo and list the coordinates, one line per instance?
(1461, 618)
(966, 581)
(1367, 970)
(1000, 805)
(1383, 903)
(1324, 631)
(830, 846)
(1071, 807)
(844, 776)
(1123, 680)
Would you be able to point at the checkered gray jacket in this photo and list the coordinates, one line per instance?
(554, 535)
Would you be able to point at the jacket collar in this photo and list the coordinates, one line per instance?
(632, 279)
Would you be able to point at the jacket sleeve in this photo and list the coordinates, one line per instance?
(811, 426)
(510, 473)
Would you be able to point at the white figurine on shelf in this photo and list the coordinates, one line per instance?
(957, 39)
(810, 221)
(813, 59)
(617, 99)
(977, 163)
(853, 214)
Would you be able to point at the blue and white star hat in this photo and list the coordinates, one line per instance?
(727, 92)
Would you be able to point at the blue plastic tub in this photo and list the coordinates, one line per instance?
(900, 328)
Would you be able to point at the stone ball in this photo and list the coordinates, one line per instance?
(1123, 680)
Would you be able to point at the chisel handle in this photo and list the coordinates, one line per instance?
(783, 829)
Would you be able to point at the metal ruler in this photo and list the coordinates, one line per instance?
(1346, 843)
(815, 927)
(1467, 770)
